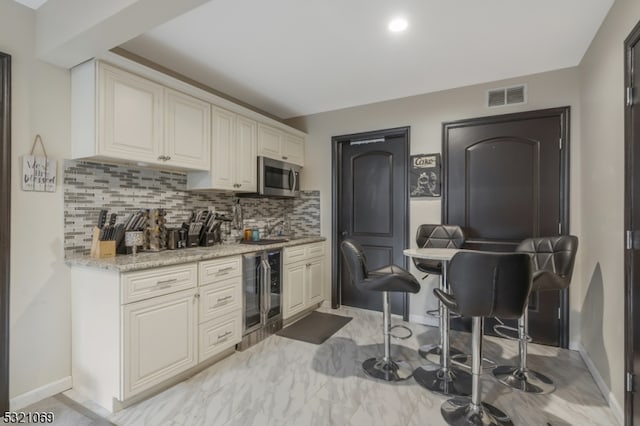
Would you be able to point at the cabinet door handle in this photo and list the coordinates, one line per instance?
(166, 283)
(284, 157)
(196, 296)
(224, 299)
(307, 265)
(167, 158)
(161, 157)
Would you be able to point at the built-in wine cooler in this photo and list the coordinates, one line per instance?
(262, 285)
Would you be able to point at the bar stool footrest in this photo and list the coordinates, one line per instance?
(403, 327)
(435, 313)
(501, 329)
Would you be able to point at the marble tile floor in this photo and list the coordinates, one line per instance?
(287, 382)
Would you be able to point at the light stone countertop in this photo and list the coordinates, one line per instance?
(146, 260)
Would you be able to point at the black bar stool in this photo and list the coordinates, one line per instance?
(553, 259)
(391, 278)
(483, 284)
(438, 236)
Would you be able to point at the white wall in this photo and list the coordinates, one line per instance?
(40, 347)
(425, 114)
(602, 129)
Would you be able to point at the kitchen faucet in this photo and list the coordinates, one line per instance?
(270, 228)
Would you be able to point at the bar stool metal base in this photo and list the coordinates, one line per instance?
(459, 411)
(453, 381)
(524, 380)
(430, 352)
(390, 371)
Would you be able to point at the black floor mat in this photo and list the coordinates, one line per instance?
(315, 328)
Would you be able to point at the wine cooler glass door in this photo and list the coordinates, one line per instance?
(252, 271)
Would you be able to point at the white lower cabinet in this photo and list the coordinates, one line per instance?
(294, 289)
(219, 334)
(137, 331)
(315, 273)
(220, 316)
(303, 282)
(158, 339)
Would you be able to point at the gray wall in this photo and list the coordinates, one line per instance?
(602, 128)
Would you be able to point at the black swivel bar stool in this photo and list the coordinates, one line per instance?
(483, 285)
(391, 278)
(553, 259)
(438, 236)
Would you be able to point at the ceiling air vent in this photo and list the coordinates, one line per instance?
(503, 96)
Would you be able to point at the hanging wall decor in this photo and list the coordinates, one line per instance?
(424, 175)
(38, 172)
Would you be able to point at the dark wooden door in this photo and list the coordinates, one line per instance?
(506, 180)
(5, 223)
(632, 225)
(372, 208)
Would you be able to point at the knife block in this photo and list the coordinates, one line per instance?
(101, 249)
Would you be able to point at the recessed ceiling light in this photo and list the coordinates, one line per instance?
(397, 25)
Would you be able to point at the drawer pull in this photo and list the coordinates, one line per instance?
(166, 283)
(225, 271)
(224, 299)
(224, 335)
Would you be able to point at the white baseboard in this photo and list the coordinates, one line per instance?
(425, 320)
(604, 389)
(38, 394)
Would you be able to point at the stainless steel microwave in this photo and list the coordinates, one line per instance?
(277, 178)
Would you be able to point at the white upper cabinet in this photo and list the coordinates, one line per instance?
(129, 116)
(223, 164)
(280, 145)
(149, 117)
(269, 141)
(234, 155)
(293, 149)
(187, 134)
(117, 115)
(246, 154)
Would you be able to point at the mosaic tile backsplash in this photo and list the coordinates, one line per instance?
(89, 187)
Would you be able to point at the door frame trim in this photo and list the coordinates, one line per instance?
(564, 114)
(632, 38)
(336, 160)
(5, 224)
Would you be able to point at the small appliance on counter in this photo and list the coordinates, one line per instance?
(176, 238)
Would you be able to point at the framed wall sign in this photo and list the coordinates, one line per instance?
(38, 171)
(424, 175)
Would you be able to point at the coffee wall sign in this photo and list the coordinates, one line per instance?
(424, 175)
(39, 171)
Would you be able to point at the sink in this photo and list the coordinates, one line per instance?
(265, 241)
